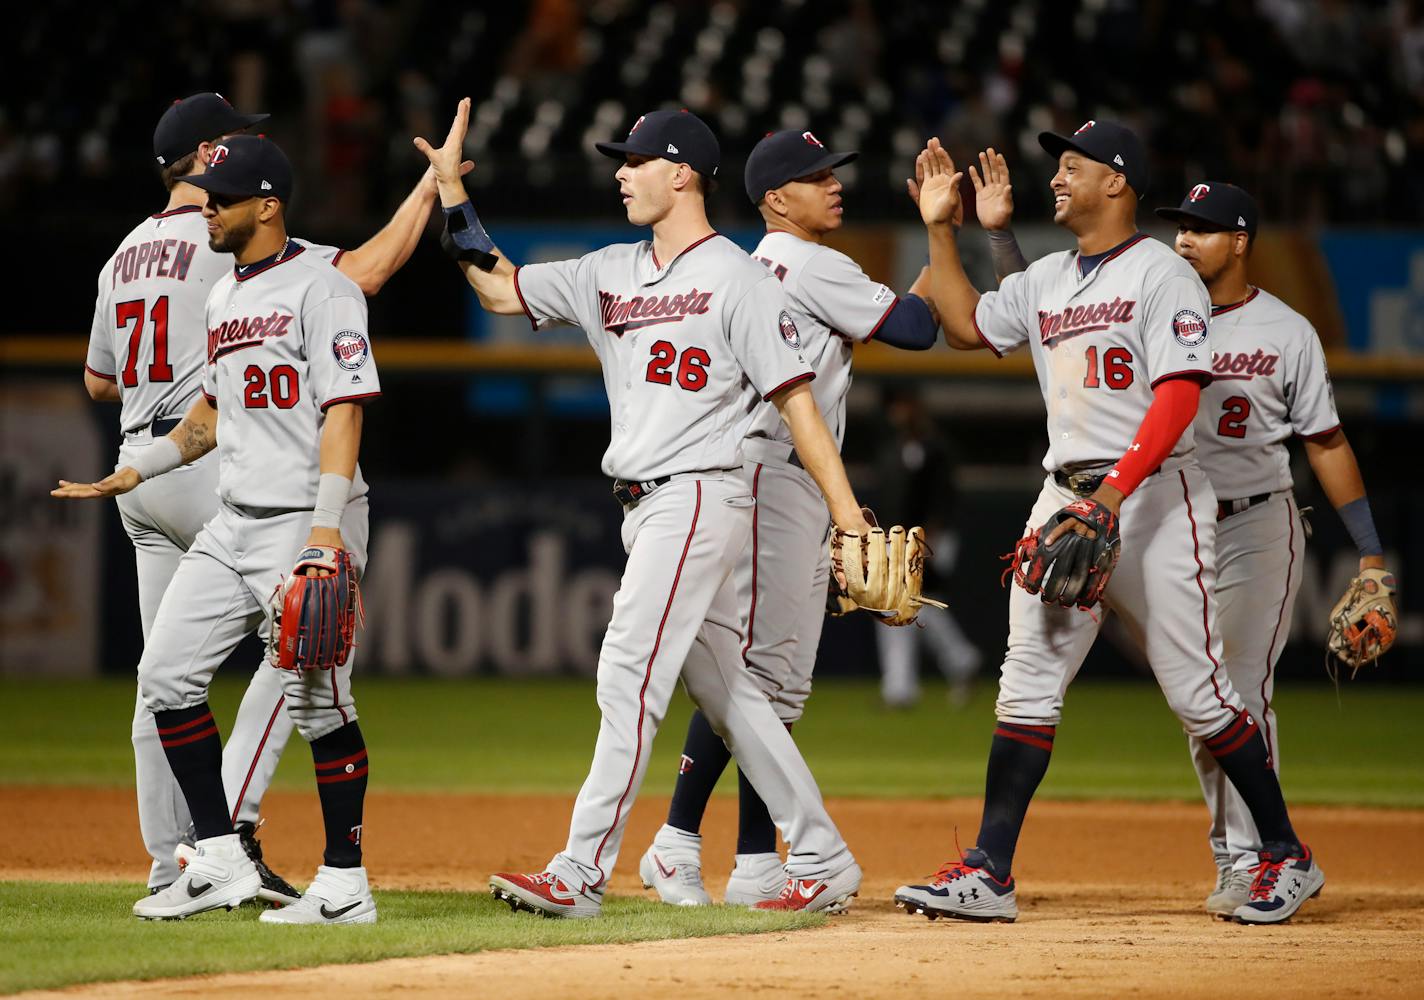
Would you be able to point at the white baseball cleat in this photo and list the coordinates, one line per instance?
(673, 866)
(965, 890)
(336, 896)
(1284, 880)
(827, 895)
(218, 874)
(755, 878)
(1233, 890)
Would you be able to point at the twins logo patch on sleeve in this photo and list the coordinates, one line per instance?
(789, 332)
(351, 349)
(1189, 328)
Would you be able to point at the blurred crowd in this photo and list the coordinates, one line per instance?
(1316, 105)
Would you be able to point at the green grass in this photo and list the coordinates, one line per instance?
(1118, 740)
(58, 935)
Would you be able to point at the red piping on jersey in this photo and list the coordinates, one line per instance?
(522, 304)
(257, 755)
(1131, 242)
(756, 518)
(267, 267)
(643, 691)
(1218, 310)
(694, 244)
(180, 210)
(337, 259)
(974, 318)
(803, 377)
(106, 378)
(1271, 653)
(348, 399)
(884, 316)
(1322, 435)
(1206, 600)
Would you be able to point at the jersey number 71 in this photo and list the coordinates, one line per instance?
(132, 312)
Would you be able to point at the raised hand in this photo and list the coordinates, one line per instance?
(430, 183)
(120, 482)
(938, 186)
(447, 160)
(993, 194)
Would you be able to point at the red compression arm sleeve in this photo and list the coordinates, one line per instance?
(1174, 405)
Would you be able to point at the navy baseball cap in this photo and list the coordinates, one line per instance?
(196, 119)
(247, 166)
(782, 157)
(679, 136)
(1220, 205)
(1111, 144)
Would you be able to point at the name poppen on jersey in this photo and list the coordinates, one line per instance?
(166, 258)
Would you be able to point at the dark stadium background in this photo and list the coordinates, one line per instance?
(1317, 107)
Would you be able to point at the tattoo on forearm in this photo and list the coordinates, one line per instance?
(194, 440)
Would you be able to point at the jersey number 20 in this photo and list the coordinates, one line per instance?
(132, 312)
(281, 381)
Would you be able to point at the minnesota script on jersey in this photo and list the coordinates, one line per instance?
(1101, 343)
(834, 305)
(1269, 382)
(286, 340)
(689, 349)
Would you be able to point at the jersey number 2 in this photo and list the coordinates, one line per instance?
(282, 382)
(1233, 418)
(691, 370)
(132, 312)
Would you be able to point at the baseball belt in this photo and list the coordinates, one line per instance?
(1085, 484)
(1225, 508)
(631, 494)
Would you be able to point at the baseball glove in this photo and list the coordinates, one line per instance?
(1074, 570)
(314, 618)
(884, 573)
(1364, 623)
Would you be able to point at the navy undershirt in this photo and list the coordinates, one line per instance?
(1086, 262)
(291, 247)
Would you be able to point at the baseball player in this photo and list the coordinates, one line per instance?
(289, 367)
(1118, 333)
(692, 335)
(1270, 383)
(147, 348)
(783, 574)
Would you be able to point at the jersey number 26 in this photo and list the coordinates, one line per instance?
(691, 369)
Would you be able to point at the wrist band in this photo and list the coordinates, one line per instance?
(1360, 523)
(1004, 249)
(160, 457)
(332, 491)
(465, 239)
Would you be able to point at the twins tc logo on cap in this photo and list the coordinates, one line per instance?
(1085, 126)
(1189, 328)
(219, 154)
(1199, 192)
(351, 349)
(812, 140)
(635, 125)
(788, 331)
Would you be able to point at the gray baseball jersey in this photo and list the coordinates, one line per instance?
(1269, 382)
(835, 305)
(1101, 343)
(286, 340)
(689, 348)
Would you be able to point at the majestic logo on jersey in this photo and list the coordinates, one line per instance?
(1199, 192)
(788, 331)
(812, 140)
(1054, 327)
(1226, 365)
(1189, 328)
(219, 154)
(1085, 126)
(621, 315)
(249, 331)
(351, 349)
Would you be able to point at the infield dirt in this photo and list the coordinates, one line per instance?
(1110, 902)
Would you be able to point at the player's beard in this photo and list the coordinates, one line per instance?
(234, 239)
